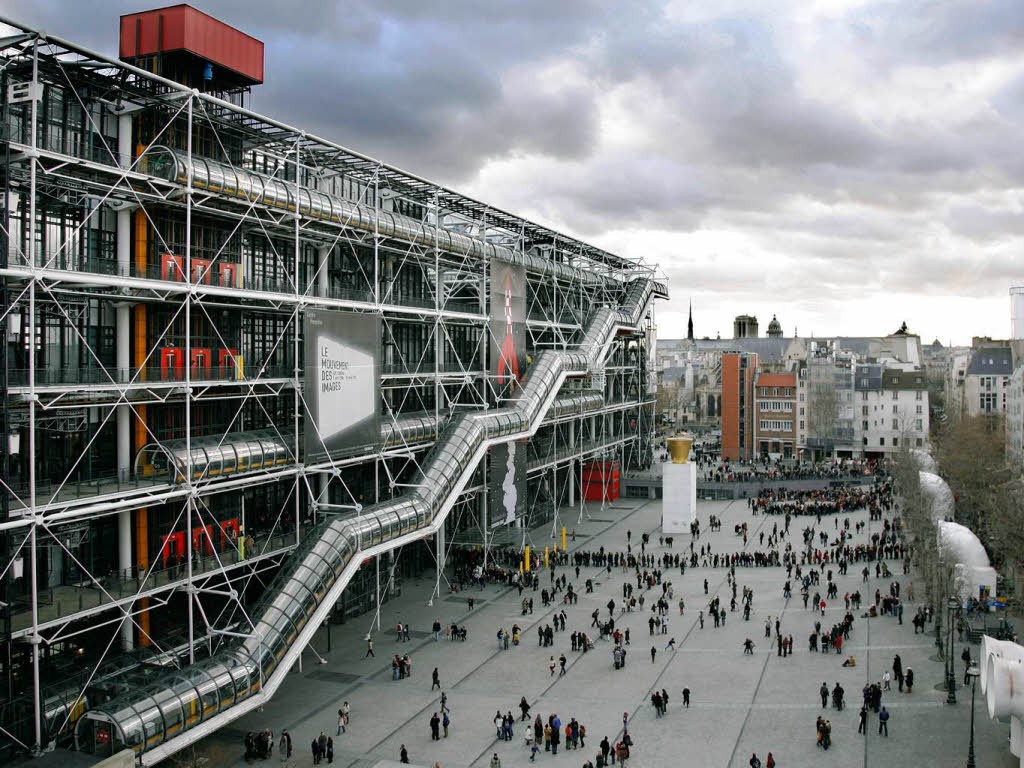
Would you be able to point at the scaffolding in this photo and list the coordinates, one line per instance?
(162, 249)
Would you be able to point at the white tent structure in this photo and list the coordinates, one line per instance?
(939, 496)
(925, 462)
(973, 569)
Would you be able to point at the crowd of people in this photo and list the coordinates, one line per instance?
(876, 498)
(811, 558)
(766, 469)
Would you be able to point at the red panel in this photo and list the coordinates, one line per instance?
(227, 360)
(172, 363)
(172, 268)
(181, 27)
(170, 547)
(227, 528)
(202, 271)
(202, 362)
(227, 274)
(201, 538)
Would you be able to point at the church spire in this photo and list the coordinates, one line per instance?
(689, 323)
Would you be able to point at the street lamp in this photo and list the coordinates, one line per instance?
(973, 672)
(954, 606)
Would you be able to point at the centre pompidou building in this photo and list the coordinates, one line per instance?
(244, 367)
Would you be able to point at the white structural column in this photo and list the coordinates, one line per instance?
(679, 497)
(123, 352)
(322, 495)
(440, 563)
(322, 283)
(33, 258)
(572, 464)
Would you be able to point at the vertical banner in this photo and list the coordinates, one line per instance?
(508, 363)
(507, 326)
(507, 483)
(342, 378)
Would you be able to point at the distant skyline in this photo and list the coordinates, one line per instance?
(719, 320)
(847, 165)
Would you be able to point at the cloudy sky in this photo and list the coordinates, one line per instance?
(845, 165)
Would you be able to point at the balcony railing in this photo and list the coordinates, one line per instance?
(152, 374)
(106, 264)
(59, 602)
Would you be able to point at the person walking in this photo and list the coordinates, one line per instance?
(910, 680)
(754, 761)
(495, 761)
(862, 726)
(369, 647)
(824, 695)
(285, 748)
(551, 665)
(436, 677)
(403, 755)
(686, 697)
(444, 702)
(883, 722)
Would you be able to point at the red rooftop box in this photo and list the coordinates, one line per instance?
(180, 28)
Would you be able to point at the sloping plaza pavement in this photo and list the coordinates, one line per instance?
(740, 704)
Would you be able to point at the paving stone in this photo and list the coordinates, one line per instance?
(739, 704)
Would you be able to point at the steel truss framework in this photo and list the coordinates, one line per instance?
(150, 308)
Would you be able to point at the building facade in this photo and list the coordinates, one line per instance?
(230, 345)
(892, 409)
(987, 379)
(739, 369)
(776, 434)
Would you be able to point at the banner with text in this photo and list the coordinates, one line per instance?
(342, 381)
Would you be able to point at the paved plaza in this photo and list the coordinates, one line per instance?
(740, 704)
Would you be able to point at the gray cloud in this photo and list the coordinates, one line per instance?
(611, 122)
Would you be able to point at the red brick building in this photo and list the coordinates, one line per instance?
(739, 370)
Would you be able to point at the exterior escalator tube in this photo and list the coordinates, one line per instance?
(160, 720)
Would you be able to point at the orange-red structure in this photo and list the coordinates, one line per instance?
(184, 29)
(738, 372)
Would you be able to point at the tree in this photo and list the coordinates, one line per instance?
(921, 530)
(971, 456)
(668, 399)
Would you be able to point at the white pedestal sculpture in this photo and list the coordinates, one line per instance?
(678, 497)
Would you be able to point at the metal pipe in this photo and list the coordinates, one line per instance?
(249, 187)
(122, 322)
(188, 386)
(298, 602)
(37, 703)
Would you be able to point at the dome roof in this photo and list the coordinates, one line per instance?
(774, 327)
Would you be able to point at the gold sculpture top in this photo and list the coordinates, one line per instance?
(679, 448)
